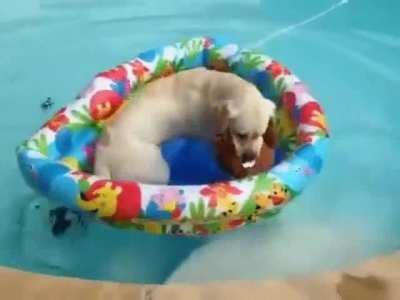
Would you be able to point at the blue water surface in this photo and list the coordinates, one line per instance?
(350, 59)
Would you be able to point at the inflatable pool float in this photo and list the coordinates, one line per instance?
(57, 160)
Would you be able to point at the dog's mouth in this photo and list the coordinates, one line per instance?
(248, 160)
(249, 164)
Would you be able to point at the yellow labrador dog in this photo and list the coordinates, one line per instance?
(197, 102)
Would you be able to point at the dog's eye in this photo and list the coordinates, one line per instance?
(241, 136)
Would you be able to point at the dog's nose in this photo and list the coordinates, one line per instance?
(248, 157)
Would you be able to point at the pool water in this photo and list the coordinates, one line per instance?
(347, 52)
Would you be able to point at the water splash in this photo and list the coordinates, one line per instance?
(292, 27)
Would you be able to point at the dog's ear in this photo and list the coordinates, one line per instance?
(269, 136)
(269, 107)
(226, 110)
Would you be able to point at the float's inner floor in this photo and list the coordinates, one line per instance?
(192, 161)
(349, 55)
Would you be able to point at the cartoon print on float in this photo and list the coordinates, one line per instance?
(119, 200)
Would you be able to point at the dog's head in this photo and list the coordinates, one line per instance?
(246, 121)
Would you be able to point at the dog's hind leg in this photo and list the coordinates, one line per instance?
(141, 161)
(156, 169)
(101, 170)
